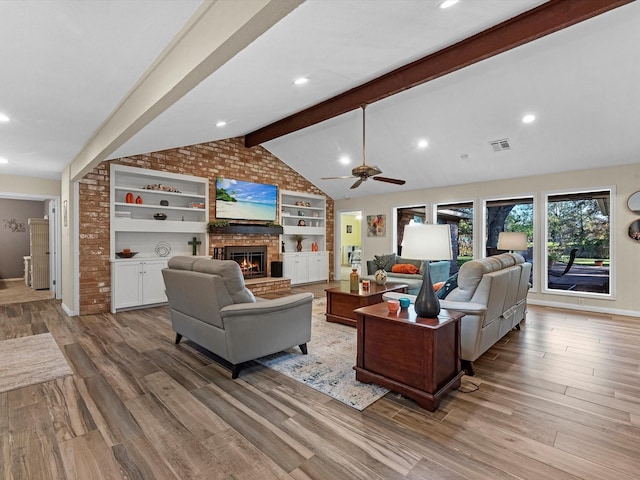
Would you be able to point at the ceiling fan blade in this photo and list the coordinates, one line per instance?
(390, 180)
(358, 182)
(337, 178)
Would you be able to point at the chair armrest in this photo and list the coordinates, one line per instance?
(464, 307)
(266, 306)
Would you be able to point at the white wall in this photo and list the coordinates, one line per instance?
(625, 255)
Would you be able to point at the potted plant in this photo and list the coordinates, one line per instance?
(381, 274)
(298, 239)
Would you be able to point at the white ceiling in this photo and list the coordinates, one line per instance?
(67, 65)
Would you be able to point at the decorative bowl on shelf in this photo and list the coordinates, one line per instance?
(126, 254)
(160, 216)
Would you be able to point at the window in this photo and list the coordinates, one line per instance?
(405, 216)
(460, 217)
(578, 242)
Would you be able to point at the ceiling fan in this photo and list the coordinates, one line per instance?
(364, 171)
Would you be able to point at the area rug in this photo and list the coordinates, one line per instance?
(328, 366)
(29, 360)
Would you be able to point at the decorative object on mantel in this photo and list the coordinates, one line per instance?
(139, 200)
(194, 244)
(129, 197)
(163, 249)
(223, 227)
(218, 253)
(124, 254)
(160, 216)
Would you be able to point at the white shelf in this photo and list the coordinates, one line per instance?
(306, 266)
(143, 234)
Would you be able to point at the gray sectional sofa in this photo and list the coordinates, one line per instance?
(439, 271)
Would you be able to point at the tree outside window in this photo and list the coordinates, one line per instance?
(578, 242)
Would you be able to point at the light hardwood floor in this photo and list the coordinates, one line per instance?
(559, 399)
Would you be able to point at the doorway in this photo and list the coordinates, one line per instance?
(350, 241)
(46, 207)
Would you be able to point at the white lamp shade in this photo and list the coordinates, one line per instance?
(427, 242)
(512, 241)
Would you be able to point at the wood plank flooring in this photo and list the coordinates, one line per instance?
(559, 399)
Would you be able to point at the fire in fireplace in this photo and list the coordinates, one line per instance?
(252, 259)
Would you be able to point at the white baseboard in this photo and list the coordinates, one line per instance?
(67, 310)
(585, 308)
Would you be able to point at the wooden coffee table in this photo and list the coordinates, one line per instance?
(341, 301)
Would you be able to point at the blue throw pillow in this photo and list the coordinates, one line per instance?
(450, 284)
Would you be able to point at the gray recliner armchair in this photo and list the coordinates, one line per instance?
(210, 305)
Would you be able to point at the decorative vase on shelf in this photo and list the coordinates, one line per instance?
(354, 280)
(299, 246)
(381, 276)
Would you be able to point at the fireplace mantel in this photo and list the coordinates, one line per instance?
(246, 230)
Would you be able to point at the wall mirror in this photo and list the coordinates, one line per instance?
(634, 230)
(634, 203)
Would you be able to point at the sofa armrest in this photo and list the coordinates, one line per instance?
(266, 306)
(467, 308)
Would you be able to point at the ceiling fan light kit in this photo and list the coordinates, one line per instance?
(364, 171)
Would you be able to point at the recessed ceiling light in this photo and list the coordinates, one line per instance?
(345, 160)
(3, 160)
(423, 143)
(300, 81)
(221, 123)
(528, 118)
(448, 3)
(3, 118)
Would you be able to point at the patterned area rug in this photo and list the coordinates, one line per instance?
(328, 367)
(28, 360)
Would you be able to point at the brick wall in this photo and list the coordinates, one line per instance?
(224, 158)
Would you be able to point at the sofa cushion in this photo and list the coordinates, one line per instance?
(437, 286)
(449, 285)
(405, 268)
(387, 261)
(411, 261)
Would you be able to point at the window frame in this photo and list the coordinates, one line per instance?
(612, 242)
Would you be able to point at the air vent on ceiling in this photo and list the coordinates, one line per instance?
(500, 145)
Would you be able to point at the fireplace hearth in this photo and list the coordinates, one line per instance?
(251, 258)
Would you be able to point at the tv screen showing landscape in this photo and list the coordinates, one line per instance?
(240, 200)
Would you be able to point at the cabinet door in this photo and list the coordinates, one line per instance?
(301, 268)
(318, 266)
(126, 286)
(153, 289)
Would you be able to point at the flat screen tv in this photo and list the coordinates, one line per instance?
(240, 200)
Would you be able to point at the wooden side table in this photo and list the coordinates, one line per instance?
(414, 356)
(341, 301)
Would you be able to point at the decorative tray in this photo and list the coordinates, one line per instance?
(126, 254)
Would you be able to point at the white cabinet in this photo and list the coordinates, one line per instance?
(137, 283)
(304, 214)
(137, 195)
(306, 267)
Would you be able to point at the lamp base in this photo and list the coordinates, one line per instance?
(427, 304)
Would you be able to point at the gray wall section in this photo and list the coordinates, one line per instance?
(14, 234)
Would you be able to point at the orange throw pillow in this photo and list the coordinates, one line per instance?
(405, 268)
(437, 286)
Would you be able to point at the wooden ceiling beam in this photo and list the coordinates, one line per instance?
(543, 20)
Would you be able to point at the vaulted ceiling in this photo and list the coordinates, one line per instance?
(67, 65)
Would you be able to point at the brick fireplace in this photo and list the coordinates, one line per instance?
(251, 258)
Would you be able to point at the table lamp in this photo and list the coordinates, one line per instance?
(427, 242)
(512, 241)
